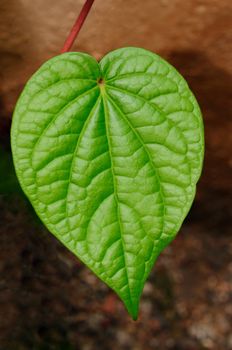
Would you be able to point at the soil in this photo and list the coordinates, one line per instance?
(48, 299)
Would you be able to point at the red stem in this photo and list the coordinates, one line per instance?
(77, 26)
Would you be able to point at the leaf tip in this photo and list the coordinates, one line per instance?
(132, 308)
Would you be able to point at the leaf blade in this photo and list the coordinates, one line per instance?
(111, 167)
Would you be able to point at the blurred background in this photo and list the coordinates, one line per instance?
(48, 299)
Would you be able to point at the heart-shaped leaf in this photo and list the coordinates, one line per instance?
(109, 155)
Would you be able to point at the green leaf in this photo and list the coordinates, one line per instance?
(109, 155)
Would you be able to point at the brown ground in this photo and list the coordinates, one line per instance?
(48, 299)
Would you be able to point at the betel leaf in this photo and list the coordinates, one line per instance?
(109, 155)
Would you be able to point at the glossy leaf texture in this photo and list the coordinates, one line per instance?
(109, 155)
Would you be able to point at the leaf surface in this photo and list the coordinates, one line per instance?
(109, 155)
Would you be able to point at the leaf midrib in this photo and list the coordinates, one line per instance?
(116, 197)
